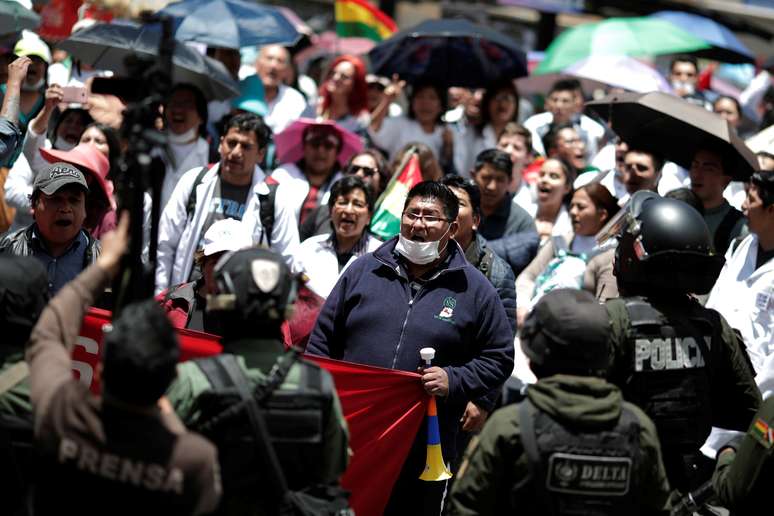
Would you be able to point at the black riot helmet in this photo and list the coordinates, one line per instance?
(567, 332)
(23, 295)
(255, 293)
(664, 248)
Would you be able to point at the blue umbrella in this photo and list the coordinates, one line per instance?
(230, 23)
(726, 47)
(449, 53)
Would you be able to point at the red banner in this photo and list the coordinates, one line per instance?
(383, 408)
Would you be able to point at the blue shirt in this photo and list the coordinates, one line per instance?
(64, 268)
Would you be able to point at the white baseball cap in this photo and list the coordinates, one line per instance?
(226, 235)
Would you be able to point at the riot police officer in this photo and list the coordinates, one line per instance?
(678, 361)
(254, 295)
(573, 446)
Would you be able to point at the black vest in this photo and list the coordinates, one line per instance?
(296, 421)
(670, 381)
(576, 472)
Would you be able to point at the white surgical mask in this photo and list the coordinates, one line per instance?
(419, 253)
(686, 87)
(62, 144)
(33, 87)
(183, 138)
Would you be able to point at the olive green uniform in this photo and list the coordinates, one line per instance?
(732, 394)
(256, 357)
(743, 478)
(16, 400)
(497, 466)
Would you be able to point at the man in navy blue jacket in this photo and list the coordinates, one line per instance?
(416, 291)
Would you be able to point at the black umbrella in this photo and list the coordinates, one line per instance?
(449, 53)
(674, 128)
(106, 46)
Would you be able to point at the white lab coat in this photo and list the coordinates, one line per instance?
(196, 154)
(317, 258)
(745, 297)
(179, 237)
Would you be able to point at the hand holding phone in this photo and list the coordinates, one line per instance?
(74, 95)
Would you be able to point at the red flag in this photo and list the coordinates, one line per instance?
(383, 408)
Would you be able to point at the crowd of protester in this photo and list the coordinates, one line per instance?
(520, 198)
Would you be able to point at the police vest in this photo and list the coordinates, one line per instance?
(295, 419)
(574, 472)
(670, 373)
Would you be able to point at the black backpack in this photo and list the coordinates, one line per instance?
(249, 444)
(266, 206)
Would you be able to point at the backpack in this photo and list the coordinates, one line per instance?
(266, 206)
(233, 418)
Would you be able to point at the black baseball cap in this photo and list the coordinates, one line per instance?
(567, 331)
(58, 175)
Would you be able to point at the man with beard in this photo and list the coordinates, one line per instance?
(57, 237)
(415, 291)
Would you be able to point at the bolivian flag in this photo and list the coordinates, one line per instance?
(386, 221)
(358, 18)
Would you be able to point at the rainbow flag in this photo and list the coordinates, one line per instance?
(386, 220)
(358, 18)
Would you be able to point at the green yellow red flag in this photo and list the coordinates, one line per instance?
(358, 18)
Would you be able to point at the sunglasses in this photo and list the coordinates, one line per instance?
(367, 171)
(637, 166)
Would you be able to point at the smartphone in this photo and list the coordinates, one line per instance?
(74, 95)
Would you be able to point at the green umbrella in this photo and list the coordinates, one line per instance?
(618, 36)
(15, 17)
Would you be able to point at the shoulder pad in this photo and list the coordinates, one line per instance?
(642, 313)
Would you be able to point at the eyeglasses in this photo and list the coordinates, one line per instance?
(367, 171)
(323, 142)
(429, 220)
(639, 167)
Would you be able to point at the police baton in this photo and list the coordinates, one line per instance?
(694, 500)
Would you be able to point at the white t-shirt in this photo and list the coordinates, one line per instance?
(286, 108)
(398, 131)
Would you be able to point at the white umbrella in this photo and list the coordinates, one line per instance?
(620, 72)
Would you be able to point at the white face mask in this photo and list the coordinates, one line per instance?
(33, 87)
(686, 87)
(62, 144)
(183, 138)
(419, 253)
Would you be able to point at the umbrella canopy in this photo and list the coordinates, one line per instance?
(290, 142)
(620, 72)
(230, 23)
(541, 84)
(449, 53)
(725, 46)
(636, 37)
(675, 129)
(14, 17)
(105, 46)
